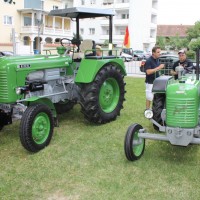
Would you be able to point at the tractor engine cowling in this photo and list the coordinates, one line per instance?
(182, 105)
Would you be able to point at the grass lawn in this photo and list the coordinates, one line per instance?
(87, 162)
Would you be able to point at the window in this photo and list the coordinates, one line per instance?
(82, 2)
(55, 7)
(92, 31)
(125, 16)
(92, 1)
(27, 21)
(26, 41)
(8, 20)
(107, 2)
(33, 4)
(82, 31)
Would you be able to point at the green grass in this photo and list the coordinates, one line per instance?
(87, 162)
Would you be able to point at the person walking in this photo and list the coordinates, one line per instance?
(152, 66)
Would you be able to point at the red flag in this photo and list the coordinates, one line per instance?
(127, 38)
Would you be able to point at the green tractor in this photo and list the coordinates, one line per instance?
(37, 88)
(175, 113)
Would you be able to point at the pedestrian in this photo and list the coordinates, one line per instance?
(184, 62)
(152, 66)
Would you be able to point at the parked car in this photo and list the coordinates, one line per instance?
(6, 53)
(140, 54)
(137, 54)
(168, 60)
(126, 57)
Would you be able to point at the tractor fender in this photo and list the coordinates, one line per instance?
(160, 84)
(90, 67)
(45, 101)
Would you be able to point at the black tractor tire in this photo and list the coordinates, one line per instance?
(158, 105)
(133, 151)
(36, 127)
(63, 107)
(103, 98)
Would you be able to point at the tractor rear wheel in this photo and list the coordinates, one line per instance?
(158, 106)
(36, 128)
(103, 98)
(133, 145)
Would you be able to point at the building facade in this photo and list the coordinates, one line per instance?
(139, 15)
(27, 24)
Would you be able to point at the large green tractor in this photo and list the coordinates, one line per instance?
(175, 113)
(37, 88)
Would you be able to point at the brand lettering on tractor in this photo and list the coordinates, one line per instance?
(24, 66)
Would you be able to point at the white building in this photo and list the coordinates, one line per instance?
(139, 15)
(22, 17)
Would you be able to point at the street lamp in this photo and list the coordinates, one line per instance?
(39, 20)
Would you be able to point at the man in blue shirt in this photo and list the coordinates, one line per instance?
(152, 66)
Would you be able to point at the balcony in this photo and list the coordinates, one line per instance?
(45, 31)
(122, 6)
(121, 22)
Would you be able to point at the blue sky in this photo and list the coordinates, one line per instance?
(172, 12)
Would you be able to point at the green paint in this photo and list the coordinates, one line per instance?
(109, 95)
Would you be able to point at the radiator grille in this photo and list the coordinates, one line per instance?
(181, 112)
(3, 85)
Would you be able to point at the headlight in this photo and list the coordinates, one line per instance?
(21, 90)
(148, 113)
(18, 91)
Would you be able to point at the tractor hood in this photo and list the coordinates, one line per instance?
(36, 61)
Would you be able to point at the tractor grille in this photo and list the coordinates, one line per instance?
(3, 85)
(182, 112)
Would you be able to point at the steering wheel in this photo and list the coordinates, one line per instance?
(63, 39)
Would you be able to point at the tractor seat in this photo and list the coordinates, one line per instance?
(86, 45)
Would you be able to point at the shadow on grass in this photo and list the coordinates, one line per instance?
(166, 152)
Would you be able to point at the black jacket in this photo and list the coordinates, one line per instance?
(187, 65)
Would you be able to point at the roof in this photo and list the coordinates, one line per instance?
(82, 12)
(172, 30)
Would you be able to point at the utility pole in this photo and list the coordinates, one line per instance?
(39, 16)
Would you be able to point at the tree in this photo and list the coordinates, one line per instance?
(193, 32)
(161, 42)
(195, 44)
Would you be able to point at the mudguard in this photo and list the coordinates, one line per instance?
(160, 84)
(45, 101)
(89, 68)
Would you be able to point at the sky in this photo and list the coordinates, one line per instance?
(173, 12)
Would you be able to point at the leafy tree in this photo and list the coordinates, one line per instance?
(161, 42)
(195, 44)
(193, 32)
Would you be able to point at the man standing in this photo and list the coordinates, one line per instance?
(152, 67)
(184, 62)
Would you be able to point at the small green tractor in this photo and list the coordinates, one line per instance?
(37, 88)
(175, 113)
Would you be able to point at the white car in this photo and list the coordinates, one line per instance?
(126, 57)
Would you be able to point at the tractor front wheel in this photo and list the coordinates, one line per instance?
(103, 98)
(36, 128)
(133, 145)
